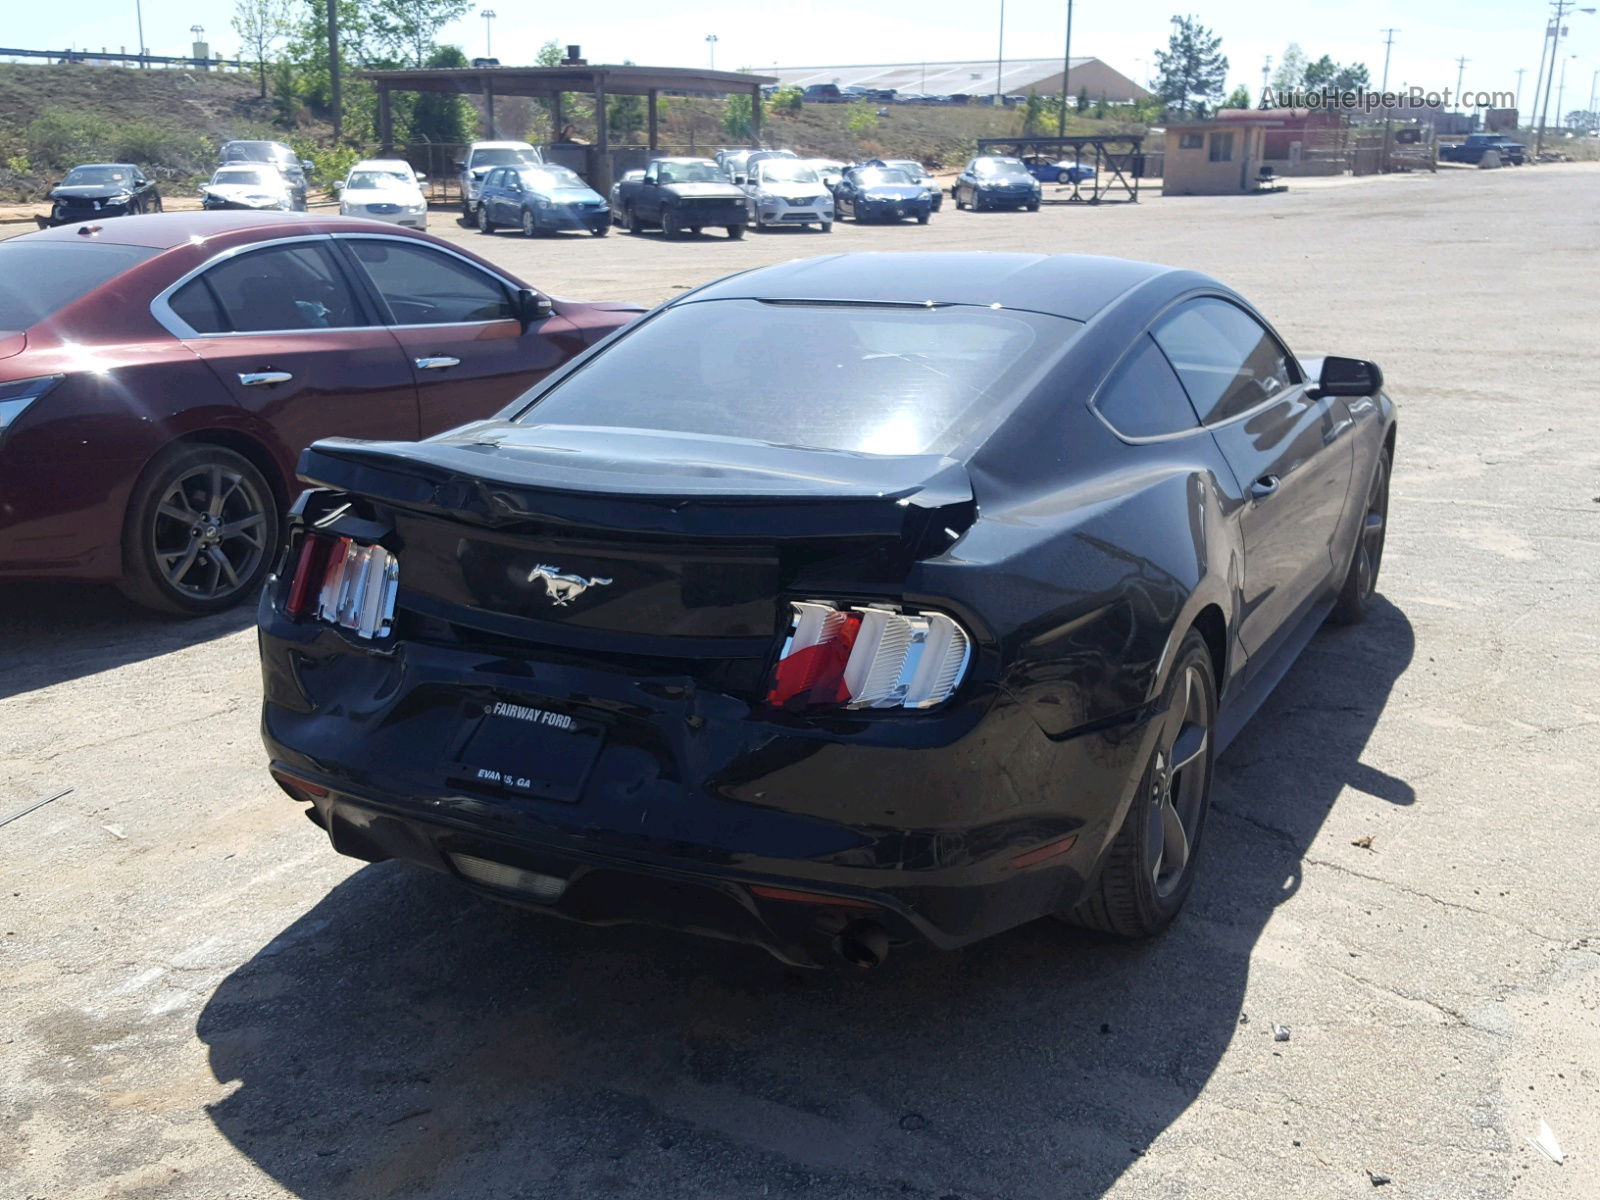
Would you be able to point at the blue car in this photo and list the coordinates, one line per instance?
(875, 192)
(540, 199)
(1051, 171)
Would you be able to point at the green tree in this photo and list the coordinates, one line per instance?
(1192, 69)
(440, 116)
(262, 25)
(1083, 100)
(1033, 113)
(405, 29)
(1238, 98)
(1291, 73)
(737, 118)
(863, 119)
(1325, 74)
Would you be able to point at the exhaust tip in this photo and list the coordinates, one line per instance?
(862, 944)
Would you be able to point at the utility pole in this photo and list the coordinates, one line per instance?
(1383, 87)
(1538, 79)
(1000, 56)
(1594, 120)
(1561, 88)
(1557, 32)
(1266, 74)
(1461, 70)
(1066, 71)
(1517, 103)
(138, 15)
(333, 69)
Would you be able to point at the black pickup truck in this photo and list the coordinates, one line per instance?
(681, 195)
(1478, 145)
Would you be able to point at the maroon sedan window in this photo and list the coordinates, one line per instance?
(280, 287)
(423, 286)
(41, 278)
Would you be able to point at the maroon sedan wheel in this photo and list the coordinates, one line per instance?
(201, 531)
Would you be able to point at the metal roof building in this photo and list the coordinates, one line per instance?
(975, 77)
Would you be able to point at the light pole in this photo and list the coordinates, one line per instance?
(1517, 103)
(1461, 70)
(1594, 119)
(1066, 70)
(488, 16)
(711, 49)
(138, 15)
(1000, 56)
(1383, 88)
(1561, 88)
(1557, 32)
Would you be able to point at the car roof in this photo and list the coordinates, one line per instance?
(500, 146)
(381, 164)
(1077, 286)
(128, 166)
(163, 231)
(681, 158)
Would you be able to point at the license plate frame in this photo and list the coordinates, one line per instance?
(532, 750)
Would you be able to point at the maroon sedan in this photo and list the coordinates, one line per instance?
(159, 376)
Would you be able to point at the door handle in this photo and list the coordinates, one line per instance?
(1263, 487)
(263, 378)
(437, 362)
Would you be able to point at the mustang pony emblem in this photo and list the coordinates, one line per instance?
(562, 588)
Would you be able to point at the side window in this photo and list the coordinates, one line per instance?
(278, 288)
(1227, 361)
(1143, 398)
(653, 172)
(424, 286)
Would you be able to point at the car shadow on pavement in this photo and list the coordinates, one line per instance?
(406, 1037)
(54, 632)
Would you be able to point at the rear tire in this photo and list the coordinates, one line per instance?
(201, 531)
(1361, 580)
(1149, 868)
(736, 232)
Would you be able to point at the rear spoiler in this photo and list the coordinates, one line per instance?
(646, 482)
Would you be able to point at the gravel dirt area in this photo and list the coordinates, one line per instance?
(202, 1000)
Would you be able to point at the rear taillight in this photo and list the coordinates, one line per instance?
(868, 657)
(345, 583)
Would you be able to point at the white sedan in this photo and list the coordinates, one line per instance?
(384, 189)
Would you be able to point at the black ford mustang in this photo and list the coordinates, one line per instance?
(833, 606)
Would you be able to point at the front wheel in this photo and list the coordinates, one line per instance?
(826, 227)
(1034, 207)
(922, 218)
(1361, 580)
(630, 220)
(200, 533)
(485, 225)
(669, 223)
(736, 232)
(530, 227)
(600, 230)
(1149, 868)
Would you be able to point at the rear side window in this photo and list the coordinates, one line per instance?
(40, 278)
(278, 288)
(425, 287)
(1143, 398)
(1227, 360)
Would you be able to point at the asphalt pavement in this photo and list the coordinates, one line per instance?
(202, 1000)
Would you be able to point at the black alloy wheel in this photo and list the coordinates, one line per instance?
(1361, 580)
(1149, 868)
(201, 531)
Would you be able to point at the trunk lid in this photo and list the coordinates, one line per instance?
(639, 542)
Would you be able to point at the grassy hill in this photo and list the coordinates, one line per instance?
(168, 121)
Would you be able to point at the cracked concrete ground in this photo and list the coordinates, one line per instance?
(201, 1000)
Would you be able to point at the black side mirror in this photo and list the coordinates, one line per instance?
(1347, 377)
(533, 307)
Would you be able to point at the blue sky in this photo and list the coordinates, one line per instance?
(1497, 38)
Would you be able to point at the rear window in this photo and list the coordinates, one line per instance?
(876, 379)
(43, 277)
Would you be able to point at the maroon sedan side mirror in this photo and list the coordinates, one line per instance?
(532, 307)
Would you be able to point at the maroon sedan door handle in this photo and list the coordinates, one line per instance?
(264, 378)
(436, 362)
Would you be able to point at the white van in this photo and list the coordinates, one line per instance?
(483, 157)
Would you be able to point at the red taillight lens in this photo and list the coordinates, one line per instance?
(868, 658)
(309, 569)
(345, 583)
